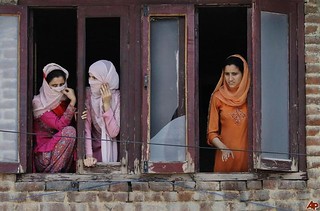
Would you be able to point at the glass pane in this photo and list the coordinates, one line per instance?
(9, 88)
(167, 121)
(275, 85)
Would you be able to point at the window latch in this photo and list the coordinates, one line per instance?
(145, 166)
(146, 81)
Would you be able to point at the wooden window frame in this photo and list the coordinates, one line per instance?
(125, 110)
(23, 138)
(186, 11)
(296, 87)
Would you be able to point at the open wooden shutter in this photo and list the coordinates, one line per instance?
(168, 127)
(275, 85)
(13, 71)
(95, 14)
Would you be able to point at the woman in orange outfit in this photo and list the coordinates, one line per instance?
(228, 121)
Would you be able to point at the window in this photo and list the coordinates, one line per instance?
(277, 125)
(168, 59)
(69, 37)
(216, 41)
(103, 34)
(167, 96)
(13, 100)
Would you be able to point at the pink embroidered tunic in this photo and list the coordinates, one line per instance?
(48, 128)
(112, 127)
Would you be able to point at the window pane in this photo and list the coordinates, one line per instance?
(274, 85)
(8, 88)
(167, 121)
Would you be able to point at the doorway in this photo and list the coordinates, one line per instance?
(222, 32)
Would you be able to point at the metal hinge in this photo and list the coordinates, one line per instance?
(145, 10)
(145, 166)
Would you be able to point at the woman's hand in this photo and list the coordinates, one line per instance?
(84, 114)
(90, 161)
(106, 96)
(70, 94)
(226, 154)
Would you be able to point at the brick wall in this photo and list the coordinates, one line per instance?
(152, 195)
(8, 87)
(312, 58)
(190, 193)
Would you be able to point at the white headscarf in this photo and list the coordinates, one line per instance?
(48, 98)
(105, 73)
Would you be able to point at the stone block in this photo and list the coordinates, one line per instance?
(270, 184)
(254, 185)
(299, 185)
(161, 186)
(62, 186)
(140, 186)
(82, 197)
(233, 185)
(30, 186)
(94, 186)
(210, 186)
(119, 186)
(105, 196)
(184, 185)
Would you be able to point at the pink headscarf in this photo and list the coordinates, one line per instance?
(48, 98)
(105, 73)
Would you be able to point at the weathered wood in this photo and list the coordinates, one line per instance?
(118, 2)
(36, 177)
(250, 176)
(110, 168)
(162, 177)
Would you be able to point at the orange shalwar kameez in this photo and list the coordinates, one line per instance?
(228, 121)
(229, 124)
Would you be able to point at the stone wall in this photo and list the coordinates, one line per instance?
(153, 195)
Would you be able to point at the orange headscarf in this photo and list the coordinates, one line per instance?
(234, 97)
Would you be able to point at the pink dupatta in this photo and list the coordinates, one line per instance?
(105, 73)
(48, 98)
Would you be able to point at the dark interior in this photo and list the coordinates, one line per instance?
(103, 41)
(222, 32)
(55, 40)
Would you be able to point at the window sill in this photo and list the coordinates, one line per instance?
(116, 176)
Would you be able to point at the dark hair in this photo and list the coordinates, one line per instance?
(55, 74)
(235, 61)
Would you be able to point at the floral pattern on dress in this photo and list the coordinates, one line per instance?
(238, 116)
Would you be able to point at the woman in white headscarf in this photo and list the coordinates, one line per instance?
(53, 110)
(102, 116)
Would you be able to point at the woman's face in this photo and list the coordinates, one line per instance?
(92, 77)
(232, 75)
(57, 82)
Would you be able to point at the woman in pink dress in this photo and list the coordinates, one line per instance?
(102, 114)
(53, 110)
